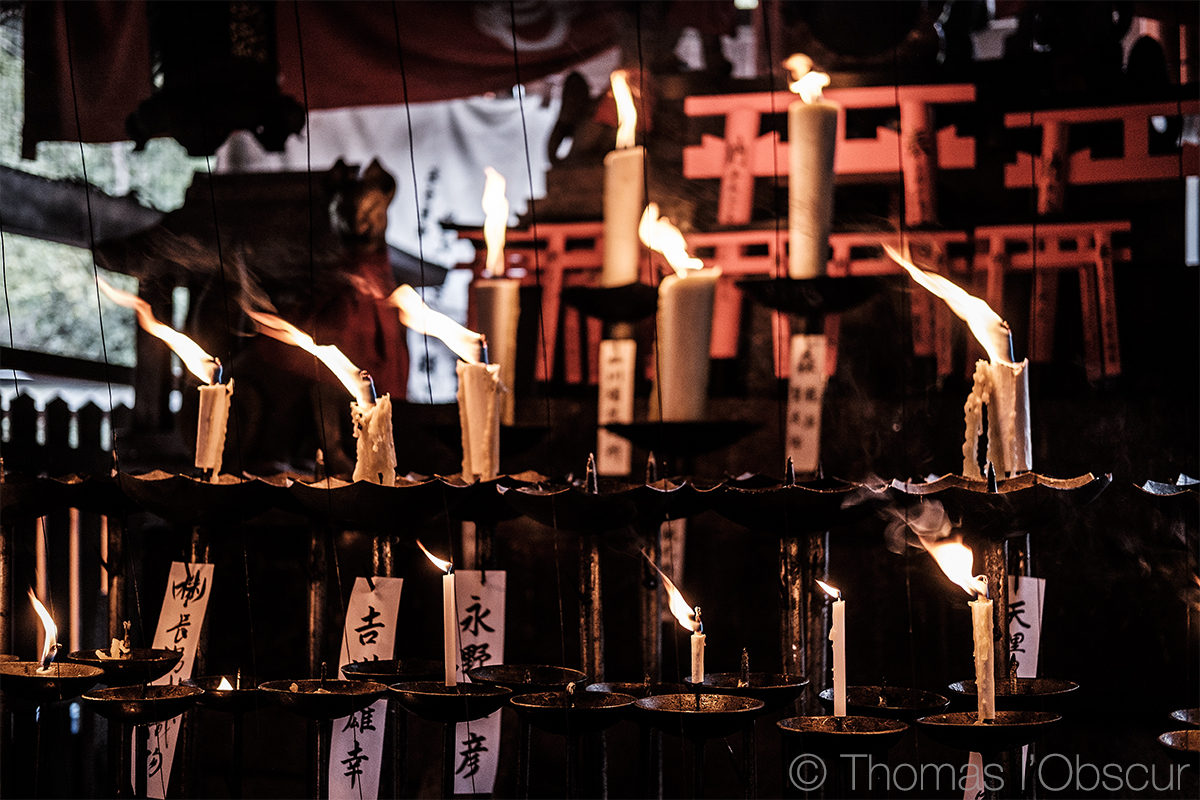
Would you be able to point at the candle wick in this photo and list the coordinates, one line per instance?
(366, 391)
(218, 372)
(483, 350)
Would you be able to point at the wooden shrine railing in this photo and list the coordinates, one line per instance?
(57, 440)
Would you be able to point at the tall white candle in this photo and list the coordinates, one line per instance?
(985, 680)
(623, 202)
(697, 642)
(812, 141)
(213, 420)
(449, 628)
(479, 415)
(623, 193)
(685, 308)
(837, 635)
(497, 312)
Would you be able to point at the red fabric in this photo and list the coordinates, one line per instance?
(350, 55)
(109, 56)
(359, 321)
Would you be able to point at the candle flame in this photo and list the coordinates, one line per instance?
(806, 81)
(687, 615)
(442, 564)
(224, 685)
(955, 559)
(835, 593)
(495, 220)
(49, 630)
(660, 235)
(986, 325)
(626, 110)
(415, 314)
(198, 362)
(350, 376)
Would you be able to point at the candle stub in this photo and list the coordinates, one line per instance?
(376, 461)
(212, 422)
(985, 679)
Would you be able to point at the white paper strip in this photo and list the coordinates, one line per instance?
(806, 388)
(480, 600)
(618, 357)
(179, 623)
(1025, 597)
(356, 747)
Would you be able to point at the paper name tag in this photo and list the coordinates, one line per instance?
(618, 357)
(806, 388)
(480, 600)
(184, 605)
(356, 747)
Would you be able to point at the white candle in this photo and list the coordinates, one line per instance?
(376, 449)
(985, 679)
(685, 307)
(1004, 391)
(623, 202)
(449, 628)
(812, 141)
(479, 416)
(213, 420)
(497, 312)
(837, 635)
(698, 652)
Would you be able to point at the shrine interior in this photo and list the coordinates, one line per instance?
(792, 396)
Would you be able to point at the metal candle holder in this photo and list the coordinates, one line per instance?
(243, 696)
(963, 730)
(573, 715)
(139, 665)
(889, 702)
(699, 717)
(29, 685)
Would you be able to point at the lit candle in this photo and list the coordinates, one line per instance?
(497, 298)
(985, 678)
(449, 617)
(689, 618)
(812, 140)
(49, 633)
(215, 397)
(1000, 386)
(622, 192)
(685, 307)
(837, 635)
(955, 559)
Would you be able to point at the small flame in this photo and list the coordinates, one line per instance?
(626, 110)
(415, 314)
(955, 559)
(50, 630)
(350, 375)
(985, 324)
(443, 565)
(198, 362)
(224, 685)
(495, 220)
(659, 234)
(805, 82)
(688, 617)
(836, 594)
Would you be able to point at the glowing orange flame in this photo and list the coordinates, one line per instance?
(224, 685)
(626, 110)
(660, 235)
(985, 324)
(198, 362)
(836, 594)
(330, 356)
(443, 565)
(955, 559)
(495, 220)
(49, 629)
(688, 617)
(415, 314)
(805, 81)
